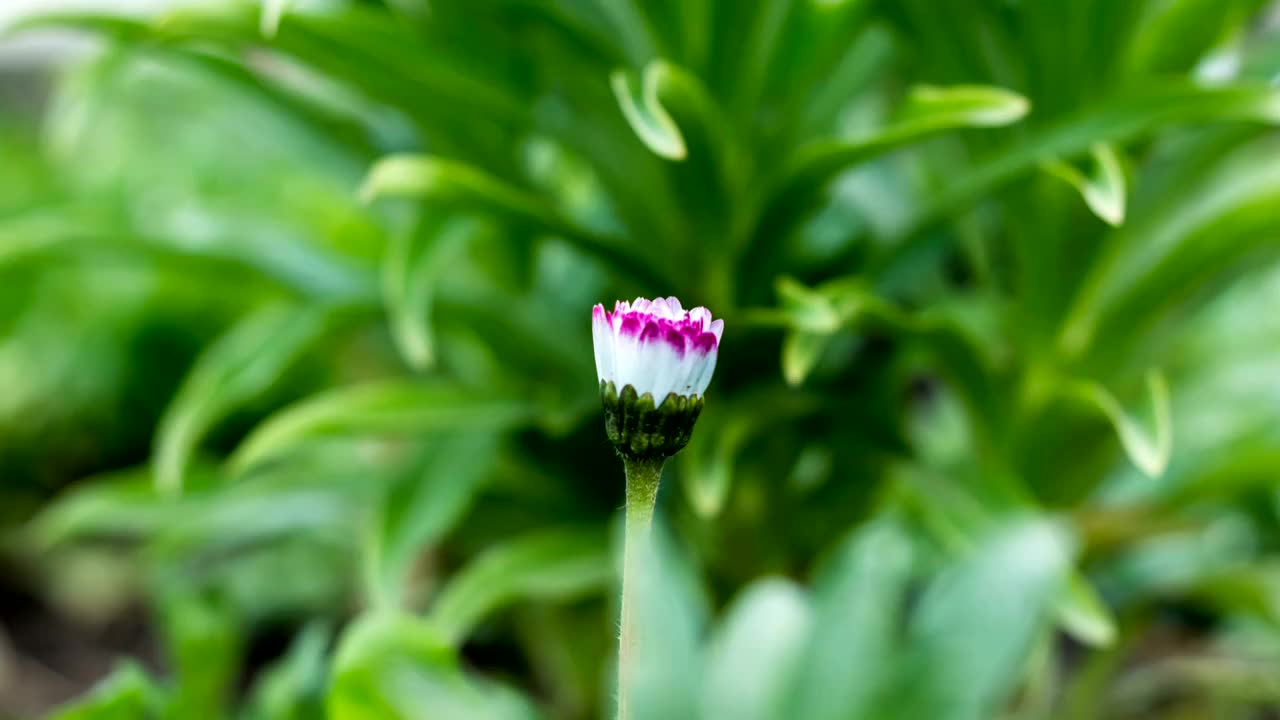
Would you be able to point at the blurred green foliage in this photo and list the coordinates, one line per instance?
(304, 288)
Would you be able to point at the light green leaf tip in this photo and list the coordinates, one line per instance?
(1084, 615)
(273, 12)
(645, 113)
(967, 105)
(1103, 190)
(556, 564)
(401, 175)
(1149, 453)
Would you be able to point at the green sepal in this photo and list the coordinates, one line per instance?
(641, 429)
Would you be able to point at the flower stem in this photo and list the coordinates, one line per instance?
(642, 493)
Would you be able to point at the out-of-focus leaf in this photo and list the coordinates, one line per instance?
(929, 110)
(858, 598)
(397, 667)
(976, 624)
(203, 643)
(293, 688)
(410, 280)
(126, 694)
(391, 407)
(1190, 238)
(1103, 190)
(1084, 615)
(725, 430)
(645, 113)
(666, 666)
(368, 49)
(272, 12)
(454, 183)
(755, 654)
(813, 315)
(1119, 121)
(760, 48)
(548, 565)
(419, 510)
(1148, 451)
(121, 507)
(1175, 35)
(82, 236)
(709, 463)
(240, 366)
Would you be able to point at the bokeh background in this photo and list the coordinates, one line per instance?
(298, 416)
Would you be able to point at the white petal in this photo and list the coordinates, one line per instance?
(661, 363)
(602, 339)
(706, 367)
(717, 328)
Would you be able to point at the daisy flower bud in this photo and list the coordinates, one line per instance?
(654, 361)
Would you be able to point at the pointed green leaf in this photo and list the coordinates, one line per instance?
(1083, 615)
(976, 623)
(240, 366)
(272, 12)
(547, 565)
(126, 694)
(1103, 190)
(755, 653)
(1149, 452)
(398, 667)
(859, 597)
(644, 111)
(426, 503)
(390, 407)
(461, 186)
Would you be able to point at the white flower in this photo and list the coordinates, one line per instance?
(656, 347)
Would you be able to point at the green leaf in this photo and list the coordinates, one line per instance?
(292, 689)
(425, 505)
(120, 507)
(88, 237)
(547, 565)
(1103, 190)
(126, 694)
(388, 407)
(458, 185)
(1197, 233)
(858, 598)
(976, 623)
(932, 106)
(272, 12)
(202, 639)
(1084, 615)
(928, 111)
(671, 614)
(1149, 452)
(815, 315)
(239, 367)
(644, 111)
(397, 667)
(1120, 120)
(411, 276)
(725, 429)
(755, 653)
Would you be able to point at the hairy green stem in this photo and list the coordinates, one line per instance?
(642, 493)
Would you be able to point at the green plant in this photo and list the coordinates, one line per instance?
(997, 246)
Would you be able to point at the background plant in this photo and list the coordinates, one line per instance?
(993, 432)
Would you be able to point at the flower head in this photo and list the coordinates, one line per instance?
(656, 347)
(654, 361)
